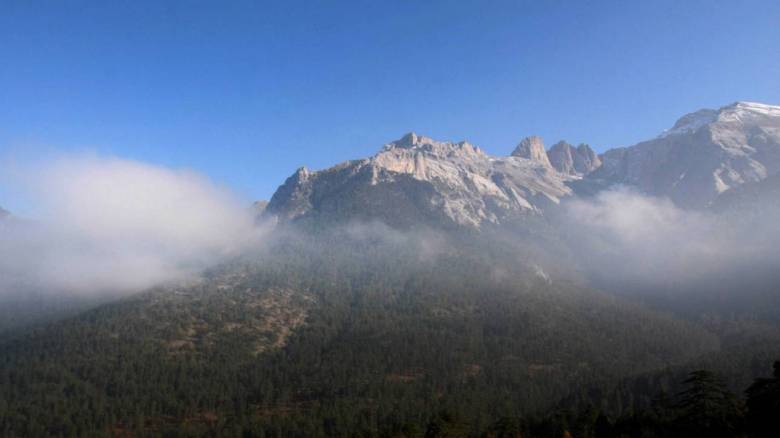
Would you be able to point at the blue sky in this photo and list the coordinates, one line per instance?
(246, 92)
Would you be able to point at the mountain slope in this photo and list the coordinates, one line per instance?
(753, 199)
(704, 154)
(342, 330)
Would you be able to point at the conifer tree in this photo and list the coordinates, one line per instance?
(763, 404)
(707, 407)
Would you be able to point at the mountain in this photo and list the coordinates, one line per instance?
(704, 154)
(532, 148)
(761, 198)
(569, 160)
(426, 282)
(326, 333)
(4, 213)
(418, 179)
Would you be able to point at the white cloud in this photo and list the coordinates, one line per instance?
(626, 236)
(113, 225)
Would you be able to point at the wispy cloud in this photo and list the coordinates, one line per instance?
(624, 235)
(109, 225)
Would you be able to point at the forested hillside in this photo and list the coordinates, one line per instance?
(354, 331)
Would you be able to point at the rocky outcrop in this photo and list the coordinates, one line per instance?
(569, 160)
(293, 198)
(532, 148)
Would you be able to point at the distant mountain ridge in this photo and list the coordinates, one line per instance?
(416, 178)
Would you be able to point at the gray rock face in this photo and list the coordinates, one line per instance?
(756, 200)
(532, 148)
(293, 198)
(569, 160)
(418, 178)
(586, 160)
(705, 154)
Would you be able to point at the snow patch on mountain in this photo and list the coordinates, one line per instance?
(691, 122)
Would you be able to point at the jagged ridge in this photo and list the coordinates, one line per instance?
(417, 178)
(457, 182)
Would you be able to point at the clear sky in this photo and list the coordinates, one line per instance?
(246, 92)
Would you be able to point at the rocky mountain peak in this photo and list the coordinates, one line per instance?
(455, 182)
(585, 148)
(561, 156)
(412, 143)
(293, 198)
(704, 154)
(302, 173)
(569, 160)
(590, 160)
(691, 122)
(755, 108)
(411, 140)
(532, 148)
(744, 113)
